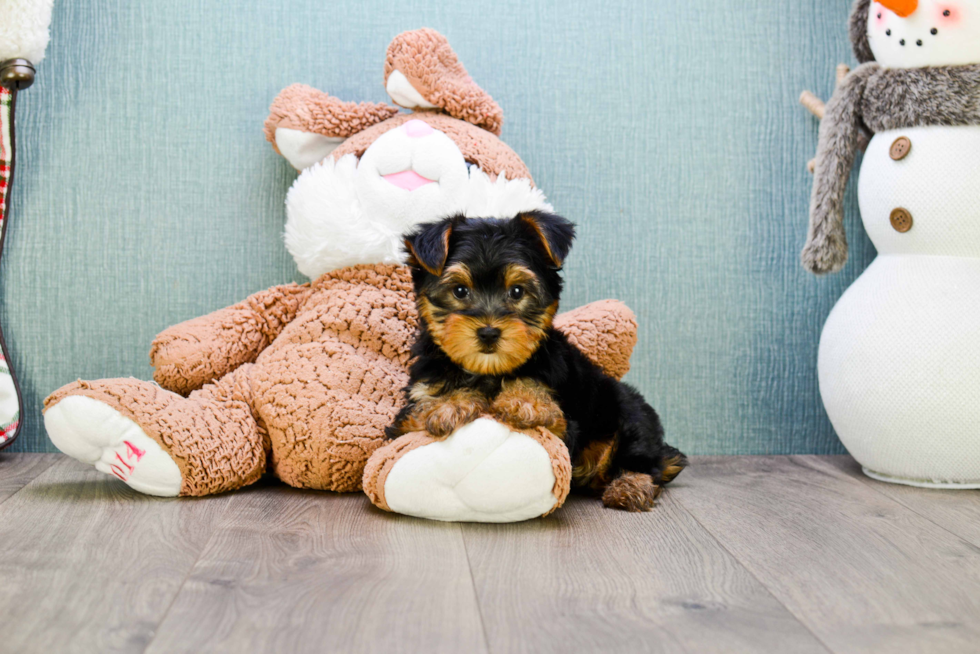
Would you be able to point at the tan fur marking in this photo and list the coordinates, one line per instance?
(445, 247)
(457, 338)
(544, 241)
(427, 312)
(525, 403)
(515, 274)
(421, 392)
(631, 491)
(457, 273)
(547, 318)
(593, 464)
(414, 259)
(672, 467)
(441, 415)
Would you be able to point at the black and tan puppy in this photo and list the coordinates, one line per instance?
(487, 290)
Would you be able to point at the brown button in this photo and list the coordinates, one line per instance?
(900, 148)
(901, 220)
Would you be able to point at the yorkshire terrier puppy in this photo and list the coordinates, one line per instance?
(487, 290)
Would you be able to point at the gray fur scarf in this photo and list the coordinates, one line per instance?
(877, 99)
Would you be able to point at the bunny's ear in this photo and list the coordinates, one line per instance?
(305, 125)
(421, 70)
(428, 245)
(556, 233)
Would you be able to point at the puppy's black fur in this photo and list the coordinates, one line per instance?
(478, 335)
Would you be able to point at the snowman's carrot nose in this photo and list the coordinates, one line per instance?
(903, 8)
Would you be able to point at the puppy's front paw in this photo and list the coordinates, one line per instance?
(442, 415)
(631, 491)
(446, 417)
(524, 405)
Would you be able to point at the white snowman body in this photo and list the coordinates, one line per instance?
(899, 359)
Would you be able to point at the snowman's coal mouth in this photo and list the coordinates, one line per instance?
(408, 180)
(919, 40)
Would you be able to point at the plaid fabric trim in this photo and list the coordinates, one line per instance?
(6, 149)
(8, 423)
(8, 431)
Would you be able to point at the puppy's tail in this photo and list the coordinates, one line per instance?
(673, 461)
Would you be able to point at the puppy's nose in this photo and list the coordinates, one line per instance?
(418, 128)
(488, 335)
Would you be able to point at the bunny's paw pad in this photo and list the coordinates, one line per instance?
(483, 472)
(95, 433)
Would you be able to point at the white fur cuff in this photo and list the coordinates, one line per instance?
(24, 29)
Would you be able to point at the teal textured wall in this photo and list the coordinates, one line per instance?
(670, 131)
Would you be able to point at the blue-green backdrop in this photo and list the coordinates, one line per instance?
(670, 131)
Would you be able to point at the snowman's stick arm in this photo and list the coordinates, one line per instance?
(840, 133)
(813, 104)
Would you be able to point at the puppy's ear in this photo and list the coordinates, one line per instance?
(428, 245)
(556, 233)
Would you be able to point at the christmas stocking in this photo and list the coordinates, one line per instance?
(23, 39)
(10, 402)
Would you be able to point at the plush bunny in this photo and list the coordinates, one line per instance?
(301, 380)
(899, 360)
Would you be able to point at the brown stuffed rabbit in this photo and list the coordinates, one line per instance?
(301, 380)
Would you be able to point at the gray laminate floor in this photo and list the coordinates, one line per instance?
(746, 554)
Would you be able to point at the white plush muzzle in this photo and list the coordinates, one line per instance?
(348, 212)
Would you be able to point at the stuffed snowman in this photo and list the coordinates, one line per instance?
(899, 358)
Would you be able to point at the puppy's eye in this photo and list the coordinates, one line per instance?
(461, 292)
(516, 292)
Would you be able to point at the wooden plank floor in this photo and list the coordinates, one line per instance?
(743, 554)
